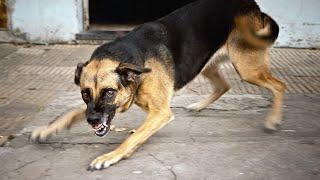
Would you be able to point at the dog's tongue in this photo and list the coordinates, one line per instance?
(96, 126)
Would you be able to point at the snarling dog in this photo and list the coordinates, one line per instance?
(148, 64)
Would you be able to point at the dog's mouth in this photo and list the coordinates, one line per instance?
(101, 129)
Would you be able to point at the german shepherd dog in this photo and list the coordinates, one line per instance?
(148, 64)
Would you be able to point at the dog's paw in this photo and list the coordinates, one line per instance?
(104, 161)
(40, 134)
(195, 107)
(272, 123)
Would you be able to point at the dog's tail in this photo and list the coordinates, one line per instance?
(270, 30)
(260, 29)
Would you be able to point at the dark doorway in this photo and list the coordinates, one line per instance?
(104, 14)
(3, 15)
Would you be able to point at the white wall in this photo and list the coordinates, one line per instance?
(44, 21)
(299, 21)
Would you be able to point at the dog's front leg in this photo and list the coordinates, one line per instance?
(64, 122)
(155, 121)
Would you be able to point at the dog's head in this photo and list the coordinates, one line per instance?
(107, 87)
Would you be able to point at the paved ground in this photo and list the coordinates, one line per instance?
(225, 141)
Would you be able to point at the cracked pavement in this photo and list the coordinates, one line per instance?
(224, 141)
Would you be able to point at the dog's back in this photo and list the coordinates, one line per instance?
(204, 26)
(186, 38)
(189, 36)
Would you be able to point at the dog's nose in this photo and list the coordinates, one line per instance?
(94, 119)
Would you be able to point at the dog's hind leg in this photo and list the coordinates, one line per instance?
(253, 67)
(217, 81)
(64, 122)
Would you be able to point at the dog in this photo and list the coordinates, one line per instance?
(146, 66)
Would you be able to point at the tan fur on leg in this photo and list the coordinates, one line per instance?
(154, 122)
(220, 86)
(254, 68)
(64, 122)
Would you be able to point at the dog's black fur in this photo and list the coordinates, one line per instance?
(188, 37)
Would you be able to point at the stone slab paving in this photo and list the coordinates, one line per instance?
(225, 141)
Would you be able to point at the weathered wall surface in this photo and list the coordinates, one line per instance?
(44, 21)
(299, 21)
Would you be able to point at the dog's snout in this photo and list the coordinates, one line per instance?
(94, 119)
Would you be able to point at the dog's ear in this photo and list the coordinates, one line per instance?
(78, 72)
(130, 73)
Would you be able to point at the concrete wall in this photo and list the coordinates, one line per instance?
(44, 21)
(299, 21)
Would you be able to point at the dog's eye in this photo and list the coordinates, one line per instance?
(110, 92)
(85, 95)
